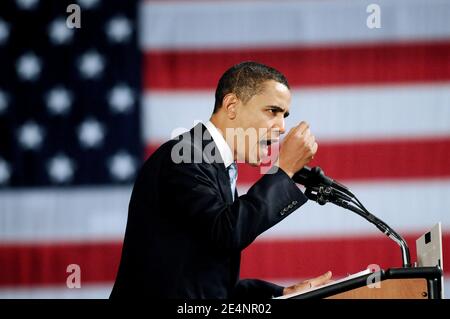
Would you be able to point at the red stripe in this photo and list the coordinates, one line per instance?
(371, 160)
(304, 66)
(45, 264)
(393, 159)
(310, 258)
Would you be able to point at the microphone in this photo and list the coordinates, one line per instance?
(310, 177)
(323, 189)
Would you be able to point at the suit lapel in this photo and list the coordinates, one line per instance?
(223, 178)
(224, 182)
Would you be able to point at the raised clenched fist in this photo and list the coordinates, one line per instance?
(298, 149)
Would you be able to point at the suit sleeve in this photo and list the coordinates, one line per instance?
(200, 205)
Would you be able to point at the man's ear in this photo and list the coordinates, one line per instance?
(229, 103)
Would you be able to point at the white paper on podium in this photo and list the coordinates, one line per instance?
(335, 282)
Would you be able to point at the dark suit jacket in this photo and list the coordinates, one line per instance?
(184, 234)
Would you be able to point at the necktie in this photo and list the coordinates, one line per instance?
(233, 173)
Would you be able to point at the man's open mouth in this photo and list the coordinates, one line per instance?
(268, 142)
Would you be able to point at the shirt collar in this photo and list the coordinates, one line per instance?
(222, 145)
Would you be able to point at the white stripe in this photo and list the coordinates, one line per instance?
(63, 214)
(333, 113)
(90, 291)
(92, 214)
(232, 24)
(408, 207)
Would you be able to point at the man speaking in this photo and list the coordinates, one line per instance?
(186, 223)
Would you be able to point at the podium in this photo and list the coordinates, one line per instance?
(422, 282)
(393, 283)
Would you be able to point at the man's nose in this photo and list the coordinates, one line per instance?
(280, 126)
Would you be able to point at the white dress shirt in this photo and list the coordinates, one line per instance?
(226, 154)
(222, 145)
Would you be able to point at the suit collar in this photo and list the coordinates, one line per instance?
(222, 145)
(212, 155)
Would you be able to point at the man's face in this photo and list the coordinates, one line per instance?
(260, 122)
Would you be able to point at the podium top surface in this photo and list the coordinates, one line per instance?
(428, 273)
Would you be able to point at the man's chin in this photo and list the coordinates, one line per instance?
(257, 164)
(254, 160)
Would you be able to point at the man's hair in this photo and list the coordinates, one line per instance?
(246, 80)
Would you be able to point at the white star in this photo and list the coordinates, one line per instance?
(91, 64)
(30, 135)
(4, 101)
(60, 169)
(122, 166)
(27, 4)
(59, 33)
(88, 4)
(4, 31)
(5, 172)
(28, 67)
(121, 98)
(58, 100)
(91, 133)
(119, 29)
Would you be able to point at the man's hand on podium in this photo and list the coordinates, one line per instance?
(308, 284)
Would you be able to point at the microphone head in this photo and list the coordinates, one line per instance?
(314, 177)
(308, 176)
(317, 171)
(303, 176)
(321, 177)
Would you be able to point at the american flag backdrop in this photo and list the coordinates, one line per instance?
(80, 109)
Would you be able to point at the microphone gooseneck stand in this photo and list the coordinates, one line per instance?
(327, 192)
